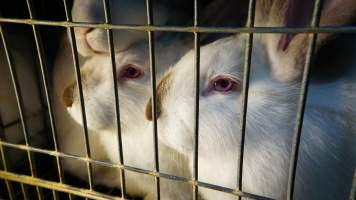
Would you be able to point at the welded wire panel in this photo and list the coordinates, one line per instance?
(19, 101)
(150, 28)
(54, 186)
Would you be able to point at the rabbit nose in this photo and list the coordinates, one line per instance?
(68, 95)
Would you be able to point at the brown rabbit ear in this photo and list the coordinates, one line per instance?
(287, 51)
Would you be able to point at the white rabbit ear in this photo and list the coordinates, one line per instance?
(287, 51)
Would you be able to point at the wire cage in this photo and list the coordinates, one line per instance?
(16, 185)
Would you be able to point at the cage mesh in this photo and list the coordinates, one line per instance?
(31, 186)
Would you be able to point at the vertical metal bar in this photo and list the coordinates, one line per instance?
(24, 191)
(302, 99)
(41, 58)
(19, 104)
(353, 187)
(196, 107)
(154, 99)
(9, 187)
(80, 91)
(117, 108)
(55, 195)
(246, 82)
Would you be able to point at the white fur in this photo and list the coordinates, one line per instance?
(327, 152)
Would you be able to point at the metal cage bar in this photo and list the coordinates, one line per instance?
(73, 43)
(302, 100)
(20, 106)
(24, 191)
(117, 109)
(44, 75)
(150, 28)
(196, 103)
(151, 48)
(189, 29)
(246, 81)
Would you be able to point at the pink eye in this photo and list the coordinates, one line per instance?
(131, 72)
(223, 84)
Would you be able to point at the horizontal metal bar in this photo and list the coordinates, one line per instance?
(134, 169)
(55, 186)
(191, 29)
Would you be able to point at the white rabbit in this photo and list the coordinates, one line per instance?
(133, 75)
(328, 155)
(20, 48)
(328, 152)
(93, 42)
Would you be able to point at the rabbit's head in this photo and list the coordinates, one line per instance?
(220, 103)
(133, 81)
(123, 12)
(287, 52)
(221, 73)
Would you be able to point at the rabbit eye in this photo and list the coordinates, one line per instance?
(223, 84)
(131, 72)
